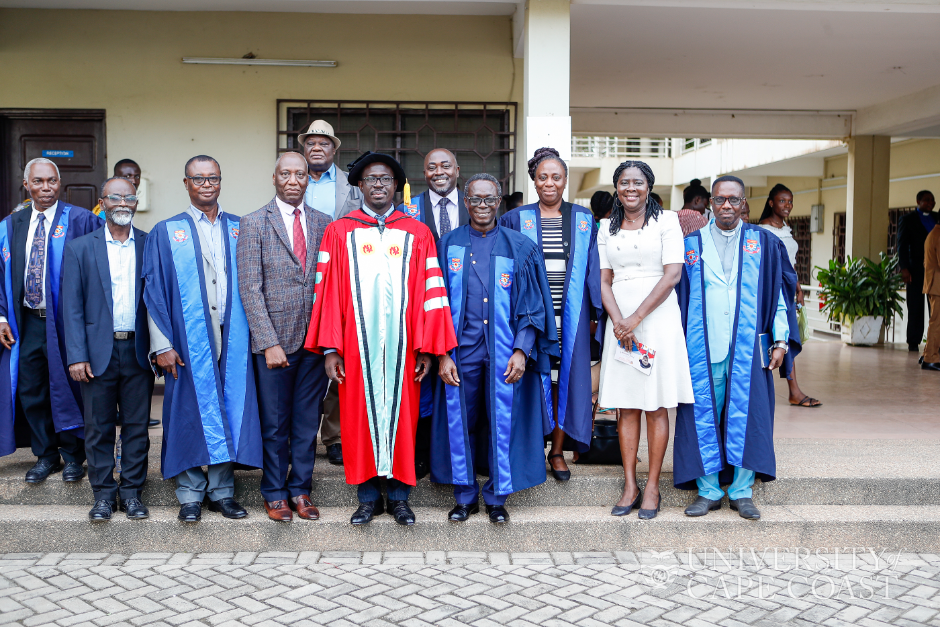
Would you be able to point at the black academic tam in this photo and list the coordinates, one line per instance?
(368, 158)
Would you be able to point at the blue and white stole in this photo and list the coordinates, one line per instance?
(187, 261)
(572, 298)
(9, 362)
(744, 340)
(415, 209)
(500, 340)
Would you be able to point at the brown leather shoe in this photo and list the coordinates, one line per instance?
(279, 510)
(304, 508)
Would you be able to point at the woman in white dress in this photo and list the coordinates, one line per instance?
(773, 218)
(641, 253)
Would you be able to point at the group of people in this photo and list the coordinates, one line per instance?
(450, 340)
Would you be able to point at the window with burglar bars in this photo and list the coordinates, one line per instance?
(800, 231)
(895, 216)
(839, 236)
(482, 135)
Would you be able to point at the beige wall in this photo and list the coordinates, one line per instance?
(160, 112)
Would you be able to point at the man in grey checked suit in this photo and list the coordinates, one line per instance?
(277, 257)
(329, 192)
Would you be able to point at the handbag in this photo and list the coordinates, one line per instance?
(604, 447)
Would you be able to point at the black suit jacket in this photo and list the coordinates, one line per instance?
(87, 304)
(462, 216)
(911, 242)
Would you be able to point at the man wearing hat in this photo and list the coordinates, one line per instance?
(380, 312)
(329, 192)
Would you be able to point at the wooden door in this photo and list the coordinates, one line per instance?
(72, 138)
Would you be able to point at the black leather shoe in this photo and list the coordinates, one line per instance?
(624, 510)
(153, 423)
(228, 507)
(745, 508)
(335, 454)
(102, 510)
(73, 472)
(365, 512)
(41, 470)
(702, 506)
(498, 514)
(134, 509)
(931, 366)
(402, 513)
(648, 514)
(913, 348)
(560, 475)
(460, 513)
(190, 512)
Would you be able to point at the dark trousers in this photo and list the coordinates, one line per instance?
(124, 383)
(475, 373)
(915, 304)
(33, 391)
(330, 426)
(290, 401)
(371, 491)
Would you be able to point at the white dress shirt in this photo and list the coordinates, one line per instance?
(287, 214)
(122, 260)
(452, 208)
(213, 233)
(48, 215)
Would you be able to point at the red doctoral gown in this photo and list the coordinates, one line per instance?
(379, 301)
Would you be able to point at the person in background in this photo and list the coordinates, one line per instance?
(746, 212)
(930, 287)
(125, 169)
(276, 280)
(774, 219)
(488, 409)
(34, 369)
(512, 201)
(641, 251)
(913, 230)
(107, 342)
(329, 192)
(601, 204)
(695, 211)
(736, 297)
(566, 235)
(199, 338)
(656, 198)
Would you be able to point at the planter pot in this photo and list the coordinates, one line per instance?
(862, 332)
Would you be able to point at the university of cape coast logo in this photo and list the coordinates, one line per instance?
(691, 257)
(179, 236)
(529, 225)
(6, 254)
(235, 232)
(59, 232)
(412, 211)
(367, 249)
(751, 246)
(456, 264)
(583, 225)
(395, 251)
(505, 280)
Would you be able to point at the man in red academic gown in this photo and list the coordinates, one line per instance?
(380, 311)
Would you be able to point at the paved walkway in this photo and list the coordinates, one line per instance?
(625, 589)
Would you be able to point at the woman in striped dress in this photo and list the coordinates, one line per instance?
(567, 236)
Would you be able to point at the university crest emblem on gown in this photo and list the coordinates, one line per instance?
(529, 225)
(751, 246)
(583, 225)
(505, 280)
(59, 232)
(235, 232)
(179, 236)
(395, 251)
(456, 264)
(412, 211)
(367, 249)
(691, 257)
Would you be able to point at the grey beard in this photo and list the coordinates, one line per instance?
(120, 218)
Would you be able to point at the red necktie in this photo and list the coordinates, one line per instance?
(300, 245)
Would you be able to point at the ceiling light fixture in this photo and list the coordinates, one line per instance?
(280, 62)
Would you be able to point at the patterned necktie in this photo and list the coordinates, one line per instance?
(382, 223)
(300, 245)
(443, 218)
(37, 262)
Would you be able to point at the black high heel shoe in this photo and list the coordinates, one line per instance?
(561, 475)
(624, 510)
(647, 514)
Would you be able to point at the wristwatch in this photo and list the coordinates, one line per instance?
(780, 344)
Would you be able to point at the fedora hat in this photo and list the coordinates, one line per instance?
(319, 127)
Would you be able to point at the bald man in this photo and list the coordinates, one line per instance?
(277, 253)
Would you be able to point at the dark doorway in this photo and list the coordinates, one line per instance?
(73, 138)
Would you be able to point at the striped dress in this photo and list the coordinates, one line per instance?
(554, 254)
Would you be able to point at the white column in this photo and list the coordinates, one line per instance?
(546, 120)
(867, 196)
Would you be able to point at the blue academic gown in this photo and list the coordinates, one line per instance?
(65, 394)
(705, 442)
(210, 414)
(518, 298)
(581, 301)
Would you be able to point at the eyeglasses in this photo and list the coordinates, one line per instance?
(490, 201)
(735, 201)
(130, 199)
(385, 181)
(199, 181)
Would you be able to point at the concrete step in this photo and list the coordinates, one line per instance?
(67, 529)
(810, 472)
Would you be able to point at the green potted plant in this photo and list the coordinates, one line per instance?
(862, 295)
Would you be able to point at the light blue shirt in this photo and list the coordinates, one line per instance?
(322, 194)
(122, 260)
(213, 234)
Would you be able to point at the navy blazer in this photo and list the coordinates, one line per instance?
(87, 305)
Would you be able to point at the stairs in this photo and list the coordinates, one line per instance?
(829, 493)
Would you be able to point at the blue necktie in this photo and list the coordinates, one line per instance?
(37, 262)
